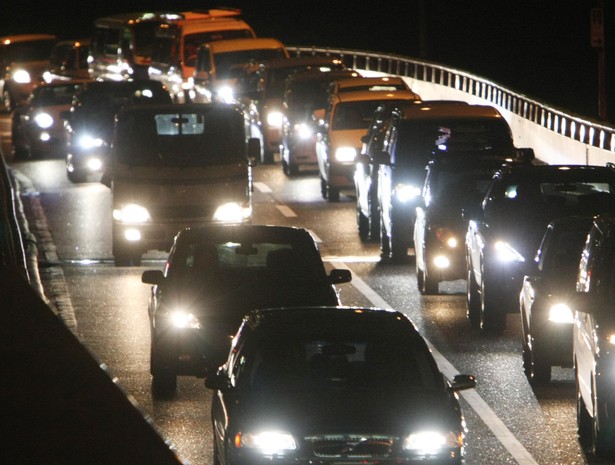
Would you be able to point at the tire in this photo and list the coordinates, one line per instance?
(362, 224)
(428, 286)
(374, 221)
(333, 193)
(539, 370)
(76, 177)
(399, 250)
(492, 320)
(323, 188)
(601, 434)
(216, 454)
(385, 245)
(472, 300)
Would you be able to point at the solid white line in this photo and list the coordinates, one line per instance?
(497, 426)
(263, 188)
(286, 211)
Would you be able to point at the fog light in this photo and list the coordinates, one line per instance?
(132, 235)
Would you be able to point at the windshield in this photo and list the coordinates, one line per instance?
(192, 41)
(354, 115)
(180, 139)
(230, 64)
(32, 50)
(53, 95)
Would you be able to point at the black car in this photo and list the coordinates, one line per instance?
(546, 295)
(90, 120)
(503, 236)
(341, 385)
(214, 275)
(593, 339)
(454, 187)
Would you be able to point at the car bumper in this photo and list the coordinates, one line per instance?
(340, 175)
(554, 343)
(302, 152)
(446, 264)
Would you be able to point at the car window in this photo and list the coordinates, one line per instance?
(231, 64)
(353, 115)
(192, 41)
(53, 95)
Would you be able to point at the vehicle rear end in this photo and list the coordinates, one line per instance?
(176, 166)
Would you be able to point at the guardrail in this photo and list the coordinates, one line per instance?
(575, 127)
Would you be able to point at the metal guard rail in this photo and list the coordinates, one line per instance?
(576, 127)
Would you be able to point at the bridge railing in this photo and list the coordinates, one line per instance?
(576, 127)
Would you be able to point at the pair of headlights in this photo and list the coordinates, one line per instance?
(231, 212)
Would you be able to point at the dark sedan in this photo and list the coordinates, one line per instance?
(546, 296)
(214, 275)
(334, 385)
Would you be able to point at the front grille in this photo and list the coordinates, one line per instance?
(181, 212)
(355, 446)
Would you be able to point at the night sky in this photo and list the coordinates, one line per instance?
(540, 48)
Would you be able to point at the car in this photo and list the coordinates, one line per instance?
(23, 59)
(305, 93)
(37, 129)
(372, 83)
(221, 62)
(217, 273)
(338, 141)
(414, 136)
(88, 123)
(176, 165)
(68, 60)
(503, 236)
(454, 187)
(546, 295)
(593, 332)
(260, 88)
(341, 385)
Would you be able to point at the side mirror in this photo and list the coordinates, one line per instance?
(526, 154)
(155, 277)
(364, 159)
(340, 276)
(365, 138)
(381, 158)
(254, 150)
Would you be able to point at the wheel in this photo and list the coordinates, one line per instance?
(216, 454)
(472, 299)
(385, 245)
(323, 188)
(362, 224)
(492, 319)
(76, 177)
(399, 250)
(602, 431)
(428, 285)
(539, 370)
(374, 220)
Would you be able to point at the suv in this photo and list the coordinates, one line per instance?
(23, 59)
(174, 166)
(261, 90)
(176, 41)
(593, 339)
(503, 236)
(219, 64)
(414, 136)
(68, 60)
(346, 119)
(305, 93)
(89, 121)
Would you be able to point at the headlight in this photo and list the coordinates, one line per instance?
(432, 442)
(275, 118)
(43, 120)
(21, 76)
(345, 154)
(611, 339)
(88, 142)
(407, 192)
(131, 213)
(440, 261)
(94, 164)
(183, 319)
(232, 212)
(447, 237)
(560, 313)
(303, 131)
(267, 442)
(506, 253)
(225, 94)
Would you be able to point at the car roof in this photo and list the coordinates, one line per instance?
(303, 60)
(365, 95)
(215, 231)
(448, 110)
(319, 75)
(370, 81)
(249, 43)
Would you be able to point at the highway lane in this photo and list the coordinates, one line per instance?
(508, 422)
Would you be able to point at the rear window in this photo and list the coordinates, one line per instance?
(180, 139)
(354, 115)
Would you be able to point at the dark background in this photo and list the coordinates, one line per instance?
(540, 48)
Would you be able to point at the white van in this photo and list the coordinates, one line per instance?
(220, 63)
(175, 166)
(176, 43)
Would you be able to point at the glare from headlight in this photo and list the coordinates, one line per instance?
(94, 164)
(43, 120)
(21, 76)
(561, 313)
(407, 192)
(132, 213)
(183, 319)
(88, 142)
(232, 212)
(506, 253)
(304, 131)
(440, 261)
(275, 118)
(345, 154)
(132, 235)
(226, 94)
(268, 442)
(431, 442)
(611, 339)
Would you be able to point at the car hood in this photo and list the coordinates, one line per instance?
(331, 411)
